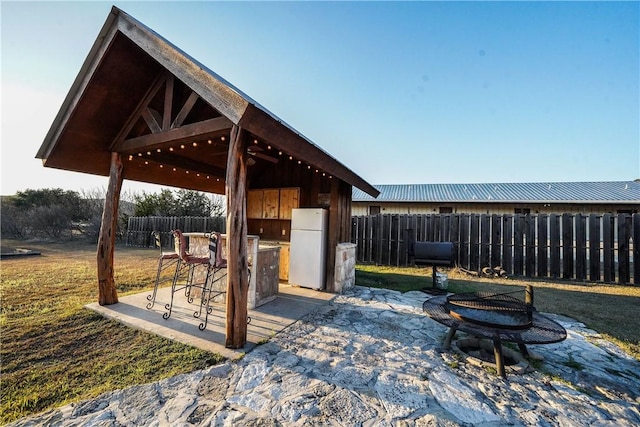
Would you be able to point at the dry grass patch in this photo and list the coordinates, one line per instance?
(54, 351)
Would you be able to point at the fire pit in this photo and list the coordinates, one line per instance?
(493, 310)
(498, 317)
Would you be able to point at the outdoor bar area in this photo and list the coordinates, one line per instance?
(142, 109)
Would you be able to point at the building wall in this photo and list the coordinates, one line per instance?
(365, 208)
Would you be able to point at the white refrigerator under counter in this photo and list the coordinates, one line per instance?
(308, 247)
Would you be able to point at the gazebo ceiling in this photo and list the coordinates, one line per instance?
(168, 116)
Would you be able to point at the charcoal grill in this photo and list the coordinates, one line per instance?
(435, 254)
(498, 317)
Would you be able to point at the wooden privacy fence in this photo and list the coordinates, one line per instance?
(139, 228)
(596, 247)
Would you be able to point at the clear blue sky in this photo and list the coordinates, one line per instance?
(415, 92)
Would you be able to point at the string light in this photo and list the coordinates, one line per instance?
(223, 138)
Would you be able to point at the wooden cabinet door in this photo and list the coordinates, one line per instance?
(289, 199)
(284, 263)
(254, 204)
(270, 204)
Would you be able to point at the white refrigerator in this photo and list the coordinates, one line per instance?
(307, 250)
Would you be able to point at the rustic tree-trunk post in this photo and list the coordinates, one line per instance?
(237, 262)
(107, 293)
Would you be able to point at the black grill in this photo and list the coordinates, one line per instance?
(435, 254)
(432, 253)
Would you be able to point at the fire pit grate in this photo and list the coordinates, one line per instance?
(489, 309)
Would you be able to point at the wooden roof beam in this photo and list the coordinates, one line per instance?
(187, 133)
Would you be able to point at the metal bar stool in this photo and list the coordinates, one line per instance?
(216, 272)
(186, 272)
(165, 261)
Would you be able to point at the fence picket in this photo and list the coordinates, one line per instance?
(581, 247)
(464, 241)
(594, 247)
(496, 240)
(607, 248)
(624, 232)
(507, 243)
(636, 249)
(543, 245)
(485, 240)
(567, 246)
(530, 254)
(518, 244)
(475, 243)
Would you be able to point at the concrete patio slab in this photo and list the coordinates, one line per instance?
(291, 304)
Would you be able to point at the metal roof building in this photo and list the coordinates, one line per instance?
(578, 197)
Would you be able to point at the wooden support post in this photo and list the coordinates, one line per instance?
(339, 227)
(237, 262)
(107, 293)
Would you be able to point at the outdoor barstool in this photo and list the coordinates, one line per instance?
(186, 270)
(165, 261)
(217, 271)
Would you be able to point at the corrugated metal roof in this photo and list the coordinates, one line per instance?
(587, 192)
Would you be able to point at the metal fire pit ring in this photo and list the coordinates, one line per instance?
(491, 310)
(542, 331)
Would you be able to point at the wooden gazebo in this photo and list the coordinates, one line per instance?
(143, 110)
